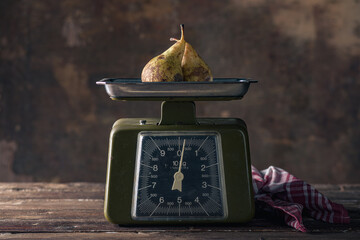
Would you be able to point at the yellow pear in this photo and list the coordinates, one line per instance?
(167, 66)
(194, 68)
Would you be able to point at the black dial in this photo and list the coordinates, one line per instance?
(179, 175)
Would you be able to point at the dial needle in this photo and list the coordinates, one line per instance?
(179, 176)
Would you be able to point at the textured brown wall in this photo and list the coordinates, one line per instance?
(303, 115)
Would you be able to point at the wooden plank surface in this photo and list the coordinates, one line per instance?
(75, 210)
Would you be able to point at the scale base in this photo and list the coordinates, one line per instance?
(121, 167)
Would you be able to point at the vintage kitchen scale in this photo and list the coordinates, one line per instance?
(178, 169)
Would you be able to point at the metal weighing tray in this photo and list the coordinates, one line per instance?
(134, 89)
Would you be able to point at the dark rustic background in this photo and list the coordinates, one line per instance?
(302, 116)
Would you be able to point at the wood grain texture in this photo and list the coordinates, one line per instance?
(75, 210)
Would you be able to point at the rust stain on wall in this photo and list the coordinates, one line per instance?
(71, 32)
(74, 81)
(297, 19)
(7, 157)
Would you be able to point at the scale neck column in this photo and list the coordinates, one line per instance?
(178, 113)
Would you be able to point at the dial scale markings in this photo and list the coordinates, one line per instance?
(201, 194)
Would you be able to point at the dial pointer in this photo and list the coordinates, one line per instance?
(179, 176)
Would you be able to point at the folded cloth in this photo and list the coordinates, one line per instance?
(279, 192)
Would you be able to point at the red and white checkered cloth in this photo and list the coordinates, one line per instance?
(287, 195)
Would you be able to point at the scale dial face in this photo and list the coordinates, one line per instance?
(179, 176)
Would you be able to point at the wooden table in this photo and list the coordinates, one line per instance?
(75, 210)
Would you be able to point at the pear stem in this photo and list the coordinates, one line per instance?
(182, 32)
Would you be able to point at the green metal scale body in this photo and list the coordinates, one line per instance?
(178, 169)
